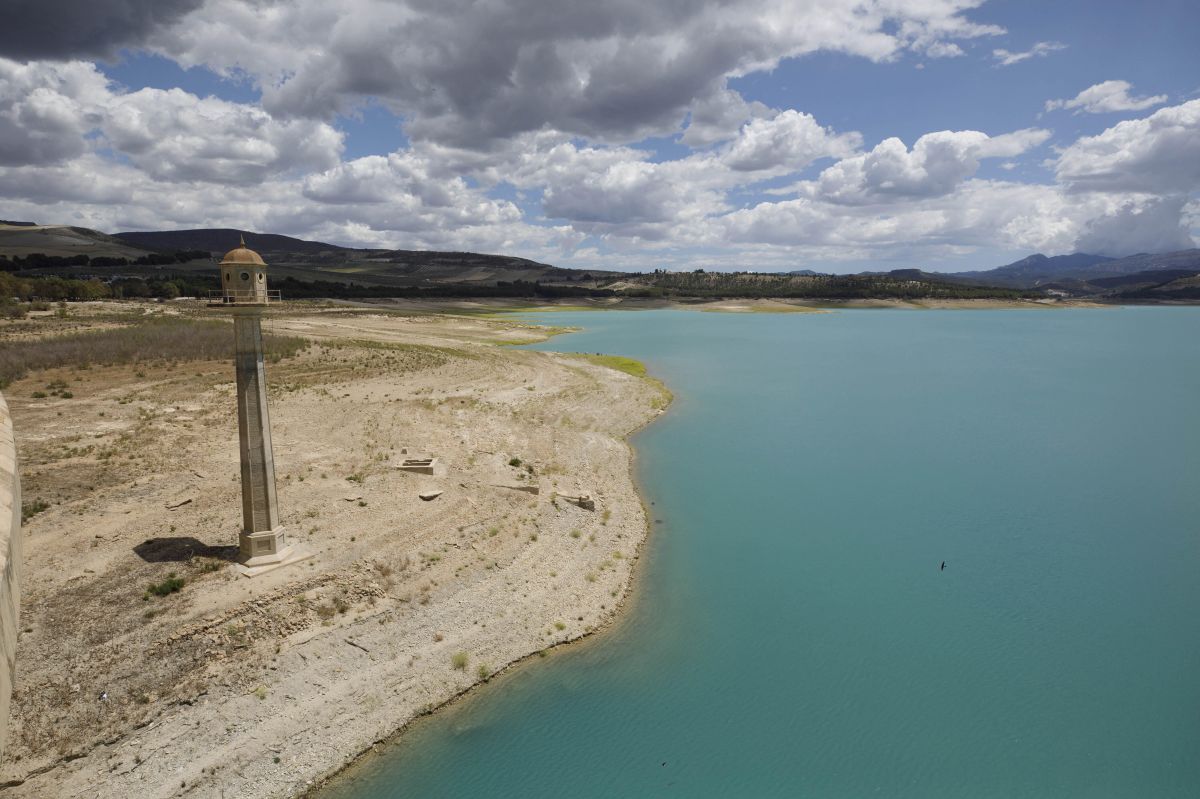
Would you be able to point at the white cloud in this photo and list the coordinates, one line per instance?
(1159, 154)
(937, 163)
(173, 135)
(476, 75)
(1107, 97)
(788, 142)
(1006, 58)
(46, 109)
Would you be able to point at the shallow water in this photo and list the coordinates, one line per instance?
(793, 634)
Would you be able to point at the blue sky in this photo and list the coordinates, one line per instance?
(615, 135)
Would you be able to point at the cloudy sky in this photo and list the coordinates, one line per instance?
(631, 134)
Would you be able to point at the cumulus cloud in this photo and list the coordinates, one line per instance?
(718, 116)
(936, 164)
(475, 75)
(66, 29)
(174, 135)
(1006, 58)
(1106, 97)
(787, 142)
(1159, 154)
(53, 112)
(46, 109)
(1138, 224)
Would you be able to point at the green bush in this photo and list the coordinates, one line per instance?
(168, 586)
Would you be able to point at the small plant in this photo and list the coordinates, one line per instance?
(514, 461)
(168, 586)
(558, 625)
(261, 693)
(484, 671)
(459, 660)
(66, 395)
(326, 612)
(340, 604)
(590, 577)
(38, 395)
(357, 477)
(575, 534)
(31, 509)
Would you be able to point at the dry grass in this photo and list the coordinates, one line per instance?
(154, 339)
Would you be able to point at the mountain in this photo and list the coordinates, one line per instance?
(1033, 270)
(1078, 272)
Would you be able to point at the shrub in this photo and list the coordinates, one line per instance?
(31, 509)
(168, 586)
(459, 660)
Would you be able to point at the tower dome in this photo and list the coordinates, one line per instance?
(242, 256)
(243, 277)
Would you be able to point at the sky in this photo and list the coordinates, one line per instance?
(767, 135)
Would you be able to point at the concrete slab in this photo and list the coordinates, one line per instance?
(298, 553)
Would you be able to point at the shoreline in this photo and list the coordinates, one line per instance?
(245, 690)
(622, 612)
(503, 308)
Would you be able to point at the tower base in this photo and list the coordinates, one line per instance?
(267, 550)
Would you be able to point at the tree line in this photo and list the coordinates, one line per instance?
(39, 260)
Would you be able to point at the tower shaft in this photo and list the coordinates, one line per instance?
(261, 538)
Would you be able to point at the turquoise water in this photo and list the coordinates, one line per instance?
(793, 635)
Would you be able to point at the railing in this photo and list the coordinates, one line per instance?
(243, 297)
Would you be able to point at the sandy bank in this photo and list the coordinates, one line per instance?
(233, 687)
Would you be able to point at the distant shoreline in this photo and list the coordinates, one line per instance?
(505, 306)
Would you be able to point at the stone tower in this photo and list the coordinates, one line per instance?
(263, 543)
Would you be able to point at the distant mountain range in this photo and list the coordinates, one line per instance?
(1145, 276)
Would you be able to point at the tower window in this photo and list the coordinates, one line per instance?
(245, 275)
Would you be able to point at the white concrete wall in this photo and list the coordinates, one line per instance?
(10, 565)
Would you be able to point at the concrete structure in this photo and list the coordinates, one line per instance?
(418, 465)
(263, 543)
(10, 565)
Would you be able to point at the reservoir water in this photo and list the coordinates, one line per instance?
(793, 634)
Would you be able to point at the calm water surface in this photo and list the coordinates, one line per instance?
(793, 635)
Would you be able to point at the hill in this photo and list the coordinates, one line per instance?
(62, 241)
(222, 240)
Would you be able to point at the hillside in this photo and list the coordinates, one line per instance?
(23, 239)
(221, 240)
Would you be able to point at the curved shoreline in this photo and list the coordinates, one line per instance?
(621, 613)
(271, 688)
